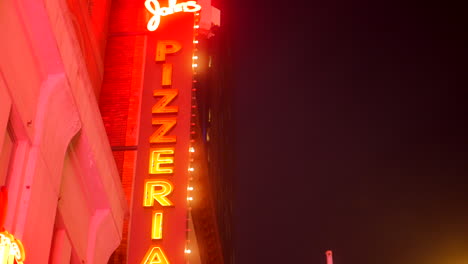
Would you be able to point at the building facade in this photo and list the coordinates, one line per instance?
(215, 142)
(65, 202)
(104, 156)
(150, 109)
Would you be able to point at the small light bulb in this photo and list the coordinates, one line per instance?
(196, 26)
(191, 149)
(190, 198)
(188, 251)
(194, 65)
(191, 169)
(195, 57)
(190, 188)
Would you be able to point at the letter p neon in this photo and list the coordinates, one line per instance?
(166, 47)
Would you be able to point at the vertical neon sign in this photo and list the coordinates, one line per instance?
(157, 232)
(156, 191)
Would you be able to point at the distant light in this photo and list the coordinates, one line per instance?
(194, 65)
(196, 26)
(195, 57)
(195, 41)
(191, 149)
(190, 198)
(191, 169)
(190, 188)
(329, 255)
(188, 251)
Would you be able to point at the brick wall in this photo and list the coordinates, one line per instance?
(121, 93)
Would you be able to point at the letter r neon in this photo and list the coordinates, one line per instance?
(157, 190)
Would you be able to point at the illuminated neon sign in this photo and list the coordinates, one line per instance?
(157, 11)
(157, 233)
(161, 159)
(10, 249)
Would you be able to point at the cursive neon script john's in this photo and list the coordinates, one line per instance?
(155, 8)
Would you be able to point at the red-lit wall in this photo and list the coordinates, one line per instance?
(90, 22)
(121, 94)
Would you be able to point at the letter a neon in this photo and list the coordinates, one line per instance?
(155, 256)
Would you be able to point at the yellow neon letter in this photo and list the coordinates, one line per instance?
(166, 47)
(167, 74)
(157, 225)
(155, 255)
(159, 136)
(151, 194)
(156, 160)
(167, 96)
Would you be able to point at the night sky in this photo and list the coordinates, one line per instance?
(350, 127)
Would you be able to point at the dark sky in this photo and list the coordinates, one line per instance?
(350, 131)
